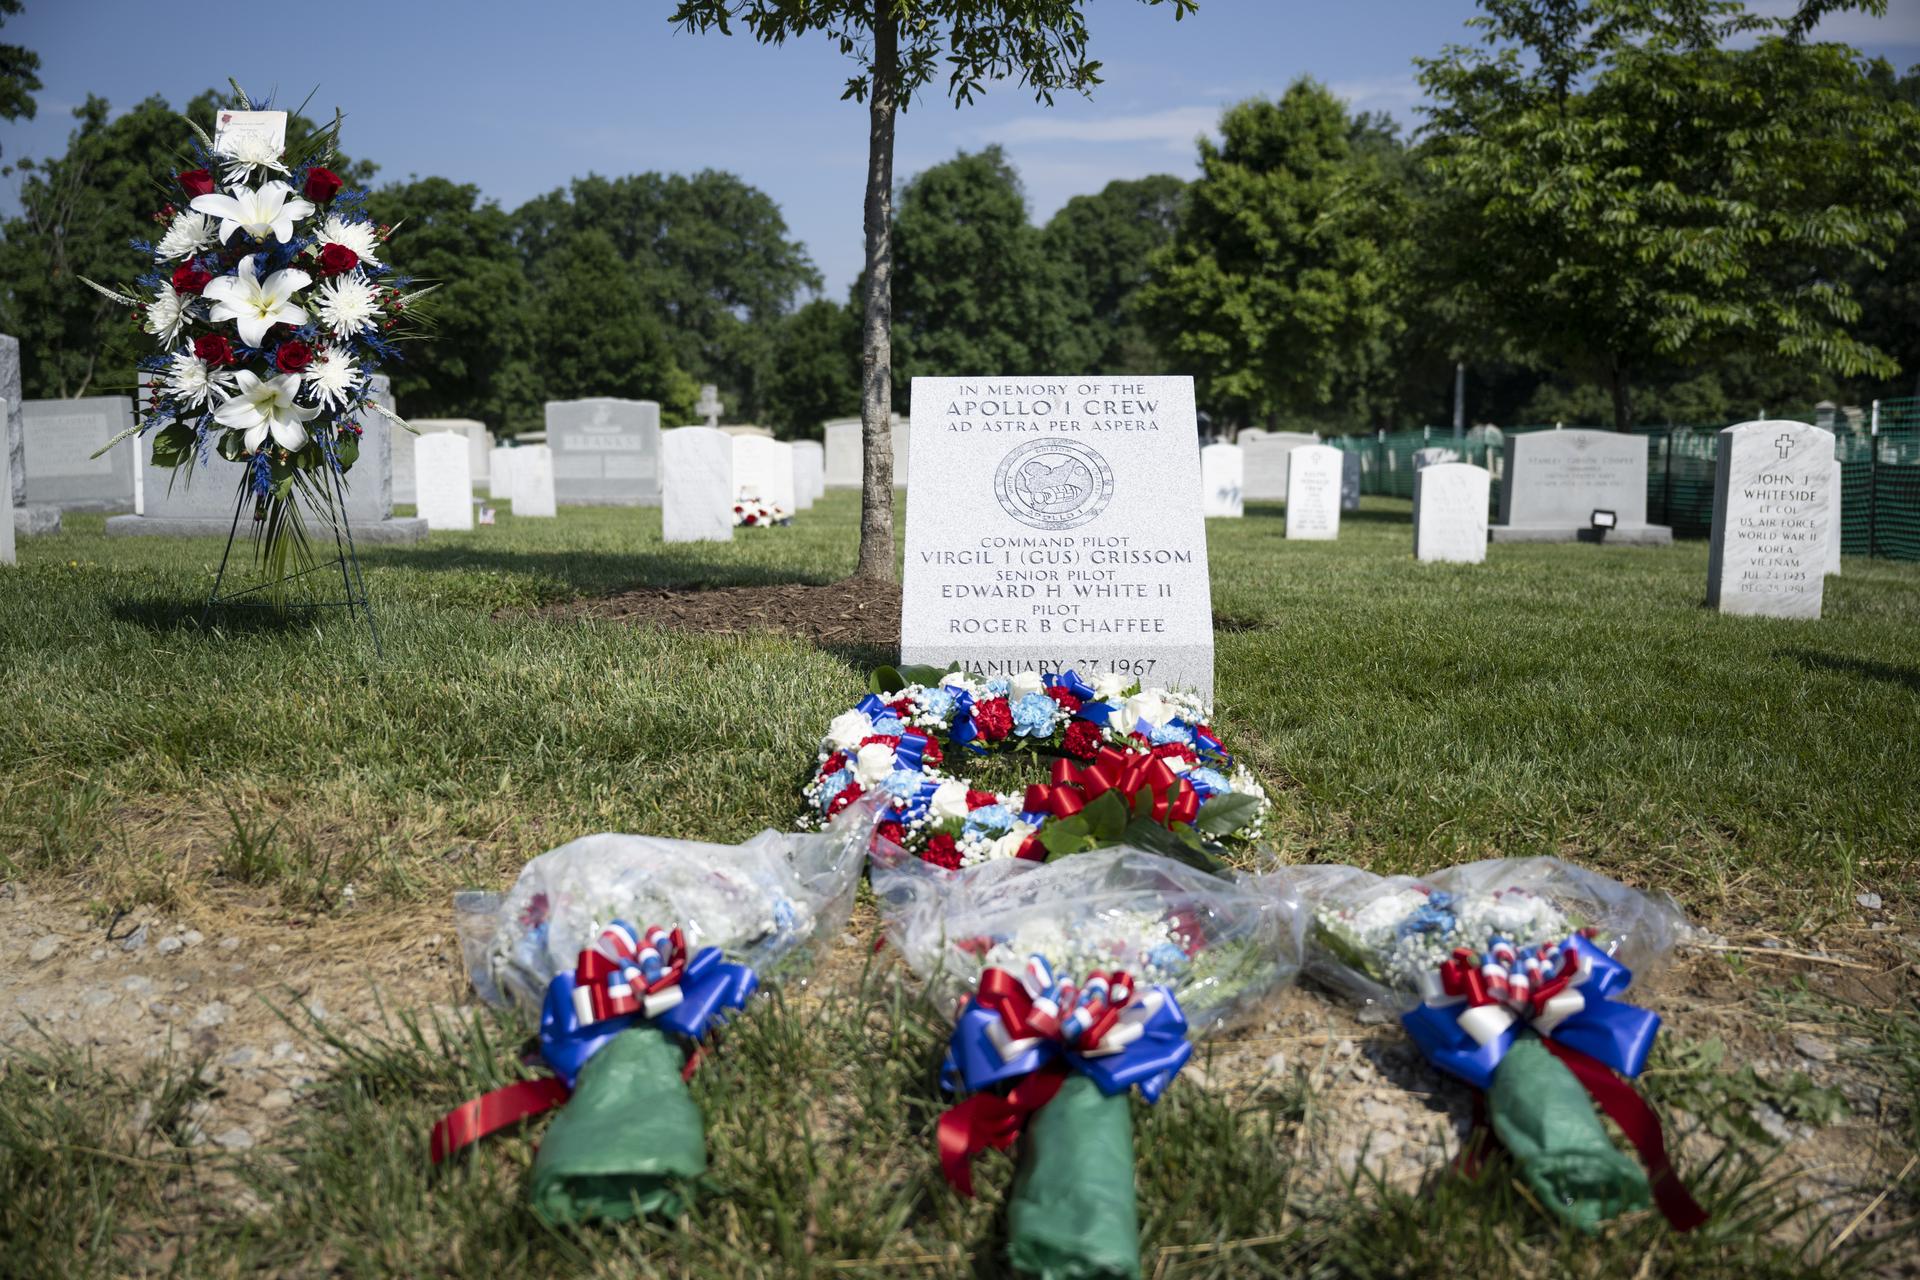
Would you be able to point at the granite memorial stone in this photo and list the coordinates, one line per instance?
(1313, 492)
(61, 438)
(535, 487)
(1450, 502)
(1772, 520)
(696, 490)
(1349, 480)
(1555, 480)
(1265, 463)
(1058, 527)
(606, 452)
(1222, 470)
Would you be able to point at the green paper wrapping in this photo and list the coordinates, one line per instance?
(1545, 1118)
(1072, 1215)
(626, 1136)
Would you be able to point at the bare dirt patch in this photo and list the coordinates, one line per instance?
(838, 615)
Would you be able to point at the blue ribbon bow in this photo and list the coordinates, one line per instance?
(709, 986)
(974, 1063)
(1617, 1034)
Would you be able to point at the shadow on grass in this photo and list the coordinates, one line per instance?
(162, 614)
(1814, 660)
(591, 573)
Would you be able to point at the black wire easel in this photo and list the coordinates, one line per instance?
(353, 582)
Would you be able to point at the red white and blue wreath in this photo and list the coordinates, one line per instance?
(1128, 766)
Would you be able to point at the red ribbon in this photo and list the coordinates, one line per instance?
(992, 1120)
(490, 1112)
(1130, 774)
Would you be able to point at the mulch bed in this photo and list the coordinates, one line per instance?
(841, 614)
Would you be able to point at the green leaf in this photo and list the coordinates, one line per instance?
(1067, 836)
(1224, 815)
(230, 446)
(1106, 818)
(173, 446)
(1180, 844)
(885, 680)
(347, 449)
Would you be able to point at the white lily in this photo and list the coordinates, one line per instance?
(194, 382)
(263, 407)
(361, 237)
(270, 210)
(256, 305)
(332, 378)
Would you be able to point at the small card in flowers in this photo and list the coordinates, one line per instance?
(268, 127)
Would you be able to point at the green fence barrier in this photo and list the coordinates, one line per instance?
(1880, 480)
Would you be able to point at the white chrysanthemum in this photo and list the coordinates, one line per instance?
(361, 237)
(194, 382)
(333, 378)
(347, 304)
(245, 153)
(187, 235)
(167, 314)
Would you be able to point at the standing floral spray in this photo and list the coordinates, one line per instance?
(272, 307)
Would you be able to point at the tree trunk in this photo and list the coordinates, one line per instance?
(1622, 396)
(876, 347)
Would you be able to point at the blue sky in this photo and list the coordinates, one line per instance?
(518, 97)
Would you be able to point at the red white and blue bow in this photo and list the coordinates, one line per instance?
(1031, 1031)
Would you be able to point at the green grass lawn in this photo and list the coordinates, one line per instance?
(1568, 699)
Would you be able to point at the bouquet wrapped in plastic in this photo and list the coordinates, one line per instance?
(631, 949)
(1077, 981)
(1509, 974)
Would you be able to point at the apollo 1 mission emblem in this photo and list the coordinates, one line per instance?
(1053, 484)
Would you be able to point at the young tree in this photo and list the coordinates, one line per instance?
(1621, 187)
(897, 47)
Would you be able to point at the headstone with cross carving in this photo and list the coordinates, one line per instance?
(709, 406)
(1772, 520)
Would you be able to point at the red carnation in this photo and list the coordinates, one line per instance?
(1082, 740)
(188, 278)
(293, 356)
(213, 348)
(1179, 750)
(835, 763)
(337, 260)
(890, 832)
(903, 708)
(322, 185)
(994, 719)
(884, 739)
(846, 798)
(1064, 696)
(981, 799)
(942, 851)
(196, 182)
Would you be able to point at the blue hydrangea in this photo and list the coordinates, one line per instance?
(992, 817)
(902, 784)
(1166, 956)
(890, 725)
(833, 786)
(1033, 716)
(1209, 782)
(1171, 731)
(938, 702)
(997, 688)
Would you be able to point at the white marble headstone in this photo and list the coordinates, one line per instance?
(13, 427)
(1222, 471)
(1058, 526)
(1313, 492)
(809, 479)
(6, 488)
(500, 471)
(696, 485)
(1450, 512)
(1772, 519)
(443, 479)
(1433, 456)
(763, 470)
(533, 481)
(842, 453)
(479, 442)
(1265, 458)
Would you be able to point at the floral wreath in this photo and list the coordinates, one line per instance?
(1132, 766)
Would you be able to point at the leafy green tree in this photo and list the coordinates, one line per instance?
(1890, 295)
(973, 287)
(816, 368)
(1276, 292)
(595, 333)
(476, 363)
(78, 214)
(897, 47)
(19, 68)
(1630, 184)
(1100, 245)
(711, 254)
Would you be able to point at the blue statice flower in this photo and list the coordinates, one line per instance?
(1433, 916)
(997, 688)
(1171, 731)
(832, 787)
(938, 702)
(1033, 715)
(991, 817)
(1209, 782)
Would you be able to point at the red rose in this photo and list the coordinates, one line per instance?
(891, 833)
(846, 798)
(753, 519)
(943, 852)
(196, 182)
(994, 719)
(293, 356)
(1064, 696)
(337, 260)
(213, 348)
(322, 185)
(981, 799)
(1082, 741)
(188, 278)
